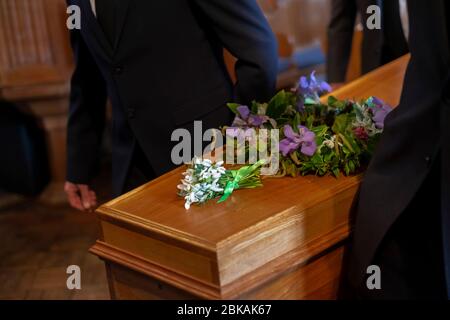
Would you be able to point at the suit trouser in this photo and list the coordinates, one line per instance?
(411, 255)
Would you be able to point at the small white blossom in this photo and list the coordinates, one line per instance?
(329, 143)
(201, 182)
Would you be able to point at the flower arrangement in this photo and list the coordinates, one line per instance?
(336, 137)
(316, 138)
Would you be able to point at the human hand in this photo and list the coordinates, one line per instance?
(80, 196)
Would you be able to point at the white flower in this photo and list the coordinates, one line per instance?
(200, 182)
(329, 143)
(207, 162)
(219, 164)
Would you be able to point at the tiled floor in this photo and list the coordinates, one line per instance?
(39, 242)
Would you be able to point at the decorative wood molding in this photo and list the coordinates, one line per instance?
(112, 254)
(267, 273)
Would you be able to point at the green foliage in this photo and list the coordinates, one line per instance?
(279, 105)
(233, 107)
(339, 149)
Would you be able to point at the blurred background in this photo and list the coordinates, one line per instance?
(40, 234)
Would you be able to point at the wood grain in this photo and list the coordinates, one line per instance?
(34, 47)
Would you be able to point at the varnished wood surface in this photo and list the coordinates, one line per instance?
(317, 280)
(385, 83)
(132, 285)
(257, 236)
(156, 206)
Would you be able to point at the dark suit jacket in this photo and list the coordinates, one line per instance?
(164, 70)
(414, 133)
(377, 48)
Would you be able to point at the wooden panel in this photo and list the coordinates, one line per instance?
(292, 229)
(131, 285)
(151, 270)
(34, 47)
(160, 252)
(318, 280)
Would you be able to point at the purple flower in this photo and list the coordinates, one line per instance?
(305, 140)
(246, 119)
(312, 87)
(244, 112)
(309, 87)
(379, 110)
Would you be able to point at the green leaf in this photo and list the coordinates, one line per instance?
(332, 101)
(310, 121)
(297, 120)
(341, 123)
(336, 172)
(278, 105)
(233, 107)
(351, 166)
(346, 142)
(320, 131)
(255, 107)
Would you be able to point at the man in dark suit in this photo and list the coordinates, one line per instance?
(161, 64)
(379, 46)
(402, 222)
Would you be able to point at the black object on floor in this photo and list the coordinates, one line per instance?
(23, 155)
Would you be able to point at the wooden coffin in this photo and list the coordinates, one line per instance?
(282, 241)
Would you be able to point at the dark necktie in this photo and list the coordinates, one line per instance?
(107, 16)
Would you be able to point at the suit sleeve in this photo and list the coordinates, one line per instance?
(243, 30)
(340, 37)
(86, 114)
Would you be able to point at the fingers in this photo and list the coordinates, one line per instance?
(93, 198)
(80, 196)
(88, 197)
(73, 196)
